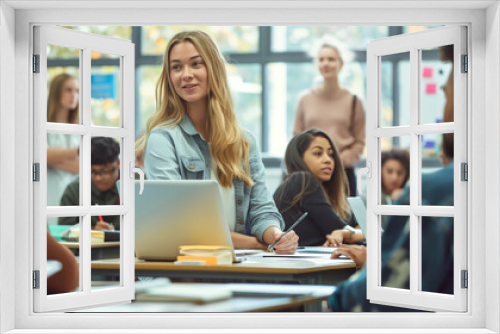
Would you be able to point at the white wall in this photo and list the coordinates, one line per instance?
(7, 23)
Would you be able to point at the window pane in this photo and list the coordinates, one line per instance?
(105, 245)
(105, 92)
(443, 145)
(62, 170)
(245, 82)
(114, 31)
(396, 252)
(230, 39)
(104, 173)
(147, 78)
(410, 29)
(437, 254)
(63, 245)
(394, 170)
(300, 38)
(434, 87)
(63, 86)
(389, 115)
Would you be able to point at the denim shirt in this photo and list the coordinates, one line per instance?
(179, 152)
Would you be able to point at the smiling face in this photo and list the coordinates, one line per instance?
(393, 175)
(319, 159)
(188, 72)
(329, 62)
(69, 94)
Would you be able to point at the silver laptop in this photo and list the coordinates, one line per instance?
(169, 214)
(359, 209)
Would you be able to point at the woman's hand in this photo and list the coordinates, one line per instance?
(336, 238)
(356, 253)
(287, 244)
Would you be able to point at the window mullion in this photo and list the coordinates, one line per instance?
(414, 171)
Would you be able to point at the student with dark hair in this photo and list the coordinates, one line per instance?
(105, 171)
(316, 183)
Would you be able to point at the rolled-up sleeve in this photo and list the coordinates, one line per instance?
(262, 211)
(160, 158)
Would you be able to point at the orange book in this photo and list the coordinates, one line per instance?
(210, 260)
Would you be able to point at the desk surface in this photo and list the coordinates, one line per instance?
(280, 266)
(302, 295)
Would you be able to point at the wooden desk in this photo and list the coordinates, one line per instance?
(101, 250)
(299, 271)
(237, 303)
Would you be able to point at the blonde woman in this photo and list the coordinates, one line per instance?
(62, 150)
(334, 110)
(195, 135)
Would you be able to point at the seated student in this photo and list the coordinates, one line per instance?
(195, 135)
(316, 183)
(105, 171)
(437, 236)
(67, 279)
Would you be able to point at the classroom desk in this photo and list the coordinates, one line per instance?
(301, 271)
(303, 295)
(101, 250)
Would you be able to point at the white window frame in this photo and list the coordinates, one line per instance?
(86, 43)
(484, 102)
(414, 297)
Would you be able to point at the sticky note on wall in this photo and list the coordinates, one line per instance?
(427, 72)
(430, 88)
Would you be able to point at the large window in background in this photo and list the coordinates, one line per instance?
(269, 68)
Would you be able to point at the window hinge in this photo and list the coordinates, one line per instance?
(464, 171)
(36, 279)
(36, 63)
(36, 172)
(465, 64)
(465, 279)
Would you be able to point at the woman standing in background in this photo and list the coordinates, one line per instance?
(62, 149)
(334, 110)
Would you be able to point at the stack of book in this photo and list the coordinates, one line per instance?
(210, 255)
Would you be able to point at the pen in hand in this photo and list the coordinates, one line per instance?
(301, 218)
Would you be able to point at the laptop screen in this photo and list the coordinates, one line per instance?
(359, 209)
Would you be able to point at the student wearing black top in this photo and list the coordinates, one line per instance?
(316, 183)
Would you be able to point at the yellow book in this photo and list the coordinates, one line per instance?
(223, 254)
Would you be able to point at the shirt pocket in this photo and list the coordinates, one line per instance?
(192, 168)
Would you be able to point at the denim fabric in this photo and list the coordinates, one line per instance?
(437, 251)
(179, 152)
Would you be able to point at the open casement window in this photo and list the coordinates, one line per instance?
(100, 94)
(431, 221)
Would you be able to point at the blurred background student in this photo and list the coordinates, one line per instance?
(62, 149)
(104, 172)
(195, 135)
(316, 183)
(437, 236)
(395, 169)
(334, 110)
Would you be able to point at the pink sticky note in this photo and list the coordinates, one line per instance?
(430, 88)
(427, 72)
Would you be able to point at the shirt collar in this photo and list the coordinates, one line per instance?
(188, 127)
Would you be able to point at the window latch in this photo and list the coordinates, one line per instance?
(368, 171)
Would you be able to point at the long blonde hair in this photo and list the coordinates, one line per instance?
(229, 147)
(54, 100)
